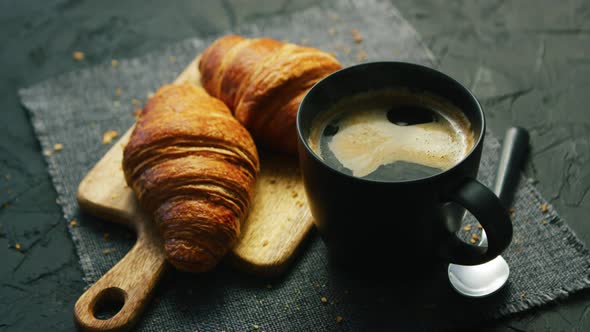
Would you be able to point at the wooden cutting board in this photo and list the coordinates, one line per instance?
(278, 222)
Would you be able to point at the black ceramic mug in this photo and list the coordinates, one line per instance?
(411, 222)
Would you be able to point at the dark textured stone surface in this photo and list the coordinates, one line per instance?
(529, 67)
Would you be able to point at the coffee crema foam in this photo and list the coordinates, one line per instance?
(365, 139)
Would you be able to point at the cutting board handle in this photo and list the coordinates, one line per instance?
(127, 286)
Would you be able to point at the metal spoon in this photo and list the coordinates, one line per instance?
(486, 279)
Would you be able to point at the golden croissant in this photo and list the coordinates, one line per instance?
(263, 82)
(193, 167)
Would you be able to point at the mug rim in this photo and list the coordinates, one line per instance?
(430, 70)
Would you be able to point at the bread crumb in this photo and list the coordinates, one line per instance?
(294, 195)
(343, 48)
(299, 204)
(324, 300)
(475, 237)
(136, 102)
(107, 136)
(58, 147)
(78, 56)
(332, 31)
(118, 92)
(73, 223)
(339, 319)
(544, 222)
(114, 63)
(467, 228)
(264, 243)
(17, 246)
(334, 17)
(356, 35)
(255, 326)
(544, 207)
(47, 152)
(361, 55)
(523, 295)
(108, 251)
(472, 241)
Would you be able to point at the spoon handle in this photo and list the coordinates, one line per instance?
(513, 154)
(514, 150)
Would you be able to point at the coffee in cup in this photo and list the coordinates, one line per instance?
(392, 135)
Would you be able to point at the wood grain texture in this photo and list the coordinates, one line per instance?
(131, 282)
(277, 224)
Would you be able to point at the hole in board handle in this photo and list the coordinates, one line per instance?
(108, 303)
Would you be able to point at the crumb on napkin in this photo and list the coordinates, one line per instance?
(108, 136)
(356, 35)
(78, 56)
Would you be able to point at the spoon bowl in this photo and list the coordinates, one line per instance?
(479, 280)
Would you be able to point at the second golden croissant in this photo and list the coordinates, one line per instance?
(262, 81)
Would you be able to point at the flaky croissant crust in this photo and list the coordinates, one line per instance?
(193, 167)
(263, 81)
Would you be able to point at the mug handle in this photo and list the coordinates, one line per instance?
(487, 208)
